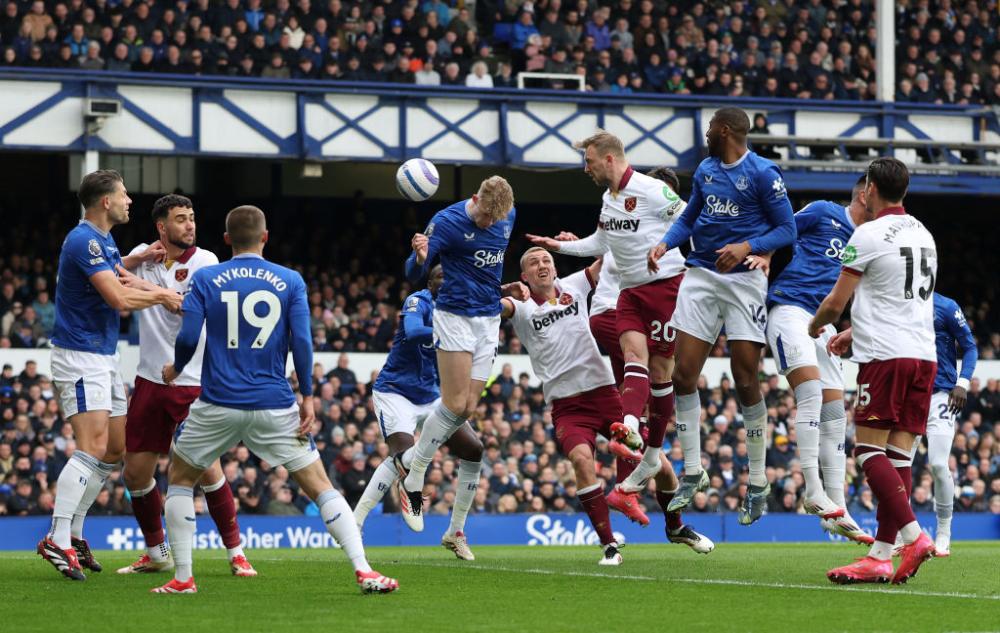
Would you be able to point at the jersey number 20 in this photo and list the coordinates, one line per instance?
(266, 322)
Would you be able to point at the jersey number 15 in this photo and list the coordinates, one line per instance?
(925, 270)
(266, 322)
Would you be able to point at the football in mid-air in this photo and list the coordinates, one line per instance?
(417, 179)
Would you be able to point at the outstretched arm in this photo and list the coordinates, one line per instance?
(594, 244)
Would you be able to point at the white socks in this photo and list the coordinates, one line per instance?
(808, 401)
(181, 526)
(465, 494)
(72, 486)
(881, 551)
(385, 475)
(832, 457)
(647, 468)
(338, 520)
(438, 427)
(939, 450)
(755, 421)
(910, 532)
(689, 432)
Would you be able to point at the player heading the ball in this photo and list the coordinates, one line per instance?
(469, 239)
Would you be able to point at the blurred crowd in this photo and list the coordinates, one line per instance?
(813, 49)
(522, 470)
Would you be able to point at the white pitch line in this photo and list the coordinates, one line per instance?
(691, 581)
(720, 581)
(541, 572)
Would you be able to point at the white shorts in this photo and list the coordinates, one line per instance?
(477, 335)
(708, 300)
(396, 414)
(792, 347)
(940, 420)
(272, 434)
(86, 381)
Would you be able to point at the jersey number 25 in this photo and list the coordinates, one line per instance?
(265, 322)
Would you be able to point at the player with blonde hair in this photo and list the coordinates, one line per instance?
(469, 239)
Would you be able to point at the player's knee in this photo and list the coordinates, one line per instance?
(746, 388)
(684, 381)
(939, 465)
(582, 460)
(456, 404)
(97, 448)
(660, 369)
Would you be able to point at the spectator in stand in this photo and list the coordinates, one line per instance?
(524, 29)
(776, 49)
(479, 77)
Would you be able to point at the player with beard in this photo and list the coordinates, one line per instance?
(889, 269)
(603, 318)
(156, 409)
(738, 207)
(636, 210)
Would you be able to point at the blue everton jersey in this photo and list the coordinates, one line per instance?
(950, 328)
(411, 368)
(253, 311)
(730, 204)
(472, 259)
(823, 230)
(84, 320)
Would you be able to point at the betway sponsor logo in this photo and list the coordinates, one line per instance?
(552, 317)
(545, 530)
(718, 206)
(488, 258)
(298, 537)
(614, 224)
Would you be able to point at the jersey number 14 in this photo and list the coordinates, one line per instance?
(266, 322)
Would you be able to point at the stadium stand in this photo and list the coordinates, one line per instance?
(355, 309)
(522, 471)
(812, 49)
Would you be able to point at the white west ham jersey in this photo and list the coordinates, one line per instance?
(557, 336)
(606, 294)
(893, 312)
(633, 221)
(157, 327)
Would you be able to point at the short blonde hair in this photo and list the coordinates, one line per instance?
(496, 198)
(604, 143)
(533, 249)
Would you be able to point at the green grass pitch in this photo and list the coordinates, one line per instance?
(758, 587)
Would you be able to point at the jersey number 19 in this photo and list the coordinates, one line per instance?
(265, 323)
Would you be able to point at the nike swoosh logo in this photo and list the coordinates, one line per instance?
(191, 519)
(333, 519)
